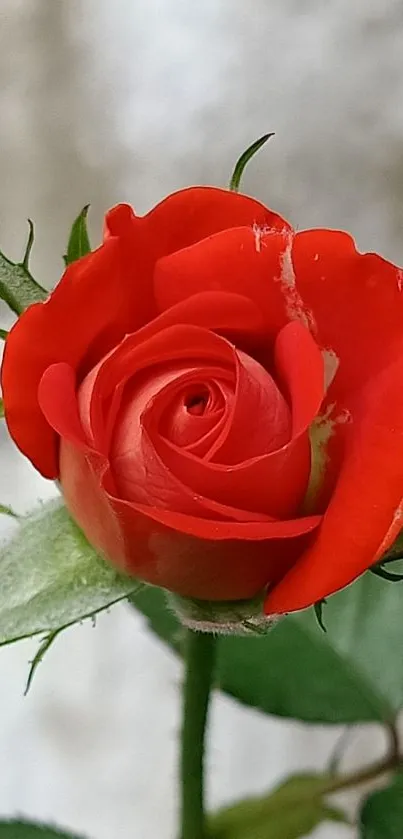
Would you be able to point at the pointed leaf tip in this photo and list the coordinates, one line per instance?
(79, 243)
(245, 158)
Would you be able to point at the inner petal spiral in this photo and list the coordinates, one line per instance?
(213, 415)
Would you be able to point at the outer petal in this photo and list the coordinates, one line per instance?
(356, 303)
(90, 304)
(355, 306)
(191, 556)
(242, 261)
(188, 216)
(58, 402)
(365, 506)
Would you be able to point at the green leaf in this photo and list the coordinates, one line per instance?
(50, 577)
(79, 243)
(293, 810)
(17, 286)
(3, 334)
(354, 673)
(1, 408)
(244, 159)
(28, 830)
(382, 813)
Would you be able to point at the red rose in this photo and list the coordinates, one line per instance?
(171, 381)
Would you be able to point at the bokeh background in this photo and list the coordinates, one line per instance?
(102, 102)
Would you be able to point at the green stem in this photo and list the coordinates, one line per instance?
(199, 662)
(363, 776)
(393, 761)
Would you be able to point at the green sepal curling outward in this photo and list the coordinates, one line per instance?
(293, 810)
(245, 157)
(79, 242)
(30, 830)
(51, 577)
(318, 609)
(394, 554)
(17, 285)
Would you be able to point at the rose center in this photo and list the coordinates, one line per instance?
(196, 402)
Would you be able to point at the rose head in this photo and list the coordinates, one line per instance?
(220, 398)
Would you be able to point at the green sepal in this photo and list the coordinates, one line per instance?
(318, 609)
(380, 571)
(239, 617)
(245, 157)
(17, 286)
(79, 242)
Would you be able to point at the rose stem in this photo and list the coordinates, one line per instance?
(199, 663)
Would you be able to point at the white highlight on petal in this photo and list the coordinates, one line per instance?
(259, 231)
(295, 307)
(331, 363)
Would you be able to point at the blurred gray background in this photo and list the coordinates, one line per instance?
(102, 102)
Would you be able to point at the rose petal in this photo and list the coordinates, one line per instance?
(138, 471)
(241, 260)
(192, 556)
(356, 302)
(90, 300)
(299, 363)
(260, 420)
(356, 306)
(232, 315)
(58, 402)
(273, 484)
(176, 343)
(365, 502)
(188, 216)
(140, 476)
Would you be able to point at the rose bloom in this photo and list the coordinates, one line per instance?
(221, 400)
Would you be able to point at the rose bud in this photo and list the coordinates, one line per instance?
(221, 400)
